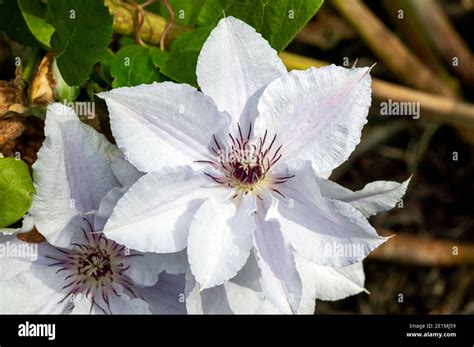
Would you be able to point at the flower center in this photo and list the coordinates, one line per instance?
(94, 268)
(246, 163)
(97, 264)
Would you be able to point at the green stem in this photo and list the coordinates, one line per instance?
(31, 64)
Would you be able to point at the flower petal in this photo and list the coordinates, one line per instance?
(145, 268)
(339, 283)
(122, 304)
(318, 114)
(167, 296)
(375, 197)
(325, 231)
(17, 256)
(72, 174)
(239, 295)
(28, 284)
(308, 294)
(234, 63)
(163, 124)
(126, 173)
(220, 237)
(107, 206)
(331, 283)
(281, 283)
(155, 214)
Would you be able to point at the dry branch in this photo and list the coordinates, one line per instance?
(446, 39)
(415, 32)
(409, 249)
(388, 48)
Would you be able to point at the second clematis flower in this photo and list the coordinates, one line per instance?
(240, 166)
(79, 176)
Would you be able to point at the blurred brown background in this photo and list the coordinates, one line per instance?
(423, 48)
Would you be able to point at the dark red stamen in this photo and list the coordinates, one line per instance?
(243, 164)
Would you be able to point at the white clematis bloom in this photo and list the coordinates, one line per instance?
(79, 176)
(232, 170)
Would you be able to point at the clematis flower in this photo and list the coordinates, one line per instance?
(79, 176)
(237, 169)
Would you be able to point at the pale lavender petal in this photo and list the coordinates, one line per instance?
(72, 174)
(317, 114)
(236, 62)
(280, 280)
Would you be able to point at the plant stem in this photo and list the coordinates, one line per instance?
(153, 28)
(31, 63)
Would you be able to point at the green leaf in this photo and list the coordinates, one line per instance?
(83, 31)
(105, 61)
(34, 12)
(126, 41)
(181, 63)
(133, 65)
(277, 20)
(16, 189)
(13, 24)
(185, 11)
(159, 58)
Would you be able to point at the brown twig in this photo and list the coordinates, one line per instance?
(140, 13)
(416, 35)
(168, 25)
(409, 249)
(389, 49)
(140, 20)
(446, 39)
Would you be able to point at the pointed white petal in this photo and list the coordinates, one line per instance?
(240, 295)
(375, 197)
(281, 283)
(163, 124)
(318, 114)
(234, 63)
(72, 174)
(330, 283)
(155, 214)
(338, 283)
(325, 231)
(308, 294)
(220, 237)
